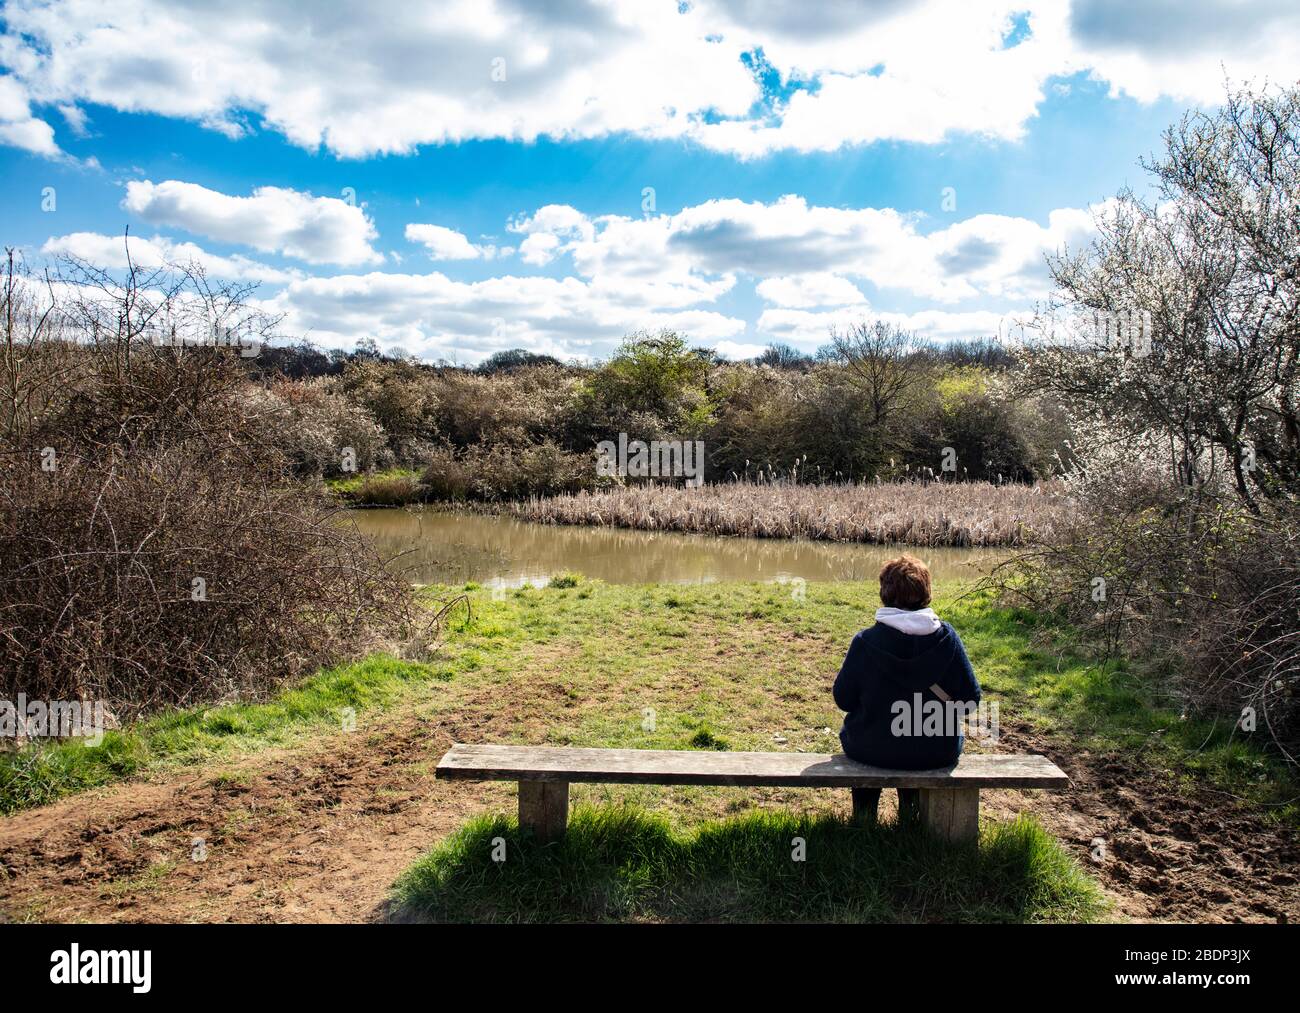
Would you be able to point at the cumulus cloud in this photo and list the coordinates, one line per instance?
(811, 268)
(110, 252)
(624, 274)
(18, 127)
(810, 329)
(437, 317)
(742, 76)
(447, 244)
(738, 350)
(550, 228)
(805, 254)
(390, 78)
(807, 290)
(318, 230)
(1182, 49)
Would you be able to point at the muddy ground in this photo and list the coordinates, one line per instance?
(320, 834)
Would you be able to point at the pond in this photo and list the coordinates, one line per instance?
(439, 547)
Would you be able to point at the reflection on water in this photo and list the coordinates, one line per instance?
(437, 547)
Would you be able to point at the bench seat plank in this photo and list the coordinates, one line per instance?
(671, 766)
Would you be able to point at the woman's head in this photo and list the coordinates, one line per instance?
(905, 583)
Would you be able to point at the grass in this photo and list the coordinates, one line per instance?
(392, 487)
(1120, 709)
(915, 513)
(740, 666)
(620, 864)
(42, 774)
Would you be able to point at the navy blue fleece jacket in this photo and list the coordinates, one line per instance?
(884, 667)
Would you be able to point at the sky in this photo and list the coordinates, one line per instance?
(455, 179)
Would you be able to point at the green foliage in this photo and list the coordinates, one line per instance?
(653, 387)
(988, 431)
(705, 739)
(393, 487)
(623, 864)
(524, 425)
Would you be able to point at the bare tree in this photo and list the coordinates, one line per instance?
(885, 362)
(782, 356)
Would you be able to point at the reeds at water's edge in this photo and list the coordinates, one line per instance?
(914, 513)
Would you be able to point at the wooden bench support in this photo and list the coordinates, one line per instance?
(544, 808)
(951, 813)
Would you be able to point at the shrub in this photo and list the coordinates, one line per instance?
(152, 576)
(495, 473)
(153, 549)
(312, 426)
(446, 476)
(1182, 575)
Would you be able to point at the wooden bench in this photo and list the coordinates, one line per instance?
(949, 797)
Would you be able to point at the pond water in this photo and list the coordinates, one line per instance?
(439, 547)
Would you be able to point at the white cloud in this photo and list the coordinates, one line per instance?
(807, 290)
(1183, 49)
(318, 230)
(738, 350)
(436, 317)
(805, 254)
(544, 231)
(18, 127)
(631, 274)
(809, 264)
(447, 244)
(75, 118)
(401, 75)
(110, 252)
(810, 330)
(389, 78)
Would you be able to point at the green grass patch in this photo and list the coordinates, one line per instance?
(741, 666)
(623, 864)
(749, 666)
(40, 774)
(390, 487)
(1125, 708)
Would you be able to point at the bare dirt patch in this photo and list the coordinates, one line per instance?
(319, 835)
(1170, 851)
(308, 836)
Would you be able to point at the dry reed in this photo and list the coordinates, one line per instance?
(914, 513)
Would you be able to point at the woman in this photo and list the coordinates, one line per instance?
(906, 683)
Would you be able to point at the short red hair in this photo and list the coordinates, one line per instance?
(905, 583)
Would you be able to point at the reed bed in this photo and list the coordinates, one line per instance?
(975, 514)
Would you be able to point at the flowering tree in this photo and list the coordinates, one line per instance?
(1202, 288)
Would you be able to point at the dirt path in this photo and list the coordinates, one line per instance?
(1167, 853)
(311, 835)
(320, 835)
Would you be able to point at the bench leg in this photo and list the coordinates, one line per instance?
(544, 808)
(952, 813)
(865, 803)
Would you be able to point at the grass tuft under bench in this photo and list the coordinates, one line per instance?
(623, 864)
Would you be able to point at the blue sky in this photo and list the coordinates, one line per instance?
(478, 180)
